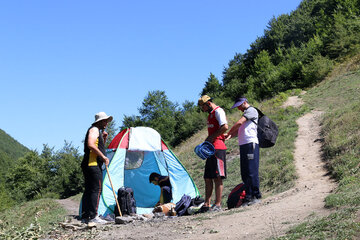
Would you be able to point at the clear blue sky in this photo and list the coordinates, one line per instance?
(63, 61)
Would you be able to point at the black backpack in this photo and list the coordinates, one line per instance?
(126, 202)
(267, 130)
(236, 196)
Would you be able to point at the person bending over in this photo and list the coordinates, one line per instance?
(165, 187)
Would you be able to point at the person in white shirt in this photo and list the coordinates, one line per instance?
(246, 131)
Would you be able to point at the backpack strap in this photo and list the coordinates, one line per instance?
(260, 113)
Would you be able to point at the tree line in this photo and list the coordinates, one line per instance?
(297, 50)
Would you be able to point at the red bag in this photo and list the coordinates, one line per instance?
(236, 196)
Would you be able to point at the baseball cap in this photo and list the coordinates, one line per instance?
(239, 101)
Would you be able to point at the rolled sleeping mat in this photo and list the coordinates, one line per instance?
(204, 150)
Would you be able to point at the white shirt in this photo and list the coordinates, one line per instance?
(247, 132)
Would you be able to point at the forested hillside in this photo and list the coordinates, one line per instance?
(25, 174)
(10, 148)
(10, 151)
(297, 50)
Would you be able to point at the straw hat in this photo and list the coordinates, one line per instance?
(203, 100)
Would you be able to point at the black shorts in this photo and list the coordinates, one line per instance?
(215, 165)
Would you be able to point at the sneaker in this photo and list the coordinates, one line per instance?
(85, 220)
(204, 209)
(245, 202)
(98, 220)
(253, 201)
(215, 208)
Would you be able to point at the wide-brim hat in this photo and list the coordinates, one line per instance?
(203, 100)
(239, 101)
(102, 116)
(205, 150)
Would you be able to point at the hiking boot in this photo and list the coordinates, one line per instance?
(98, 220)
(215, 208)
(204, 209)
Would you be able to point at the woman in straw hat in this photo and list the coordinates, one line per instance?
(94, 157)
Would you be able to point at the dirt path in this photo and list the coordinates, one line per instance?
(276, 214)
(71, 206)
(271, 218)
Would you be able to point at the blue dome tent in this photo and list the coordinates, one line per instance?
(134, 154)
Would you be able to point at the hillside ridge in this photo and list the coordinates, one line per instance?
(11, 146)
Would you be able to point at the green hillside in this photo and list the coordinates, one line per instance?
(10, 151)
(10, 147)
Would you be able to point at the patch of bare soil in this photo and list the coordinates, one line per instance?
(271, 218)
(71, 206)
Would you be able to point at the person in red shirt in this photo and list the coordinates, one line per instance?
(215, 166)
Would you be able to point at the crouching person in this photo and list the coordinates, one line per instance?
(165, 187)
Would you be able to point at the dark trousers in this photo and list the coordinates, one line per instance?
(91, 196)
(167, 194)
(249, 164)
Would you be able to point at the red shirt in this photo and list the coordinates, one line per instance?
(213, 125)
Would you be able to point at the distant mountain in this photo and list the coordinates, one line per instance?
(10, 151)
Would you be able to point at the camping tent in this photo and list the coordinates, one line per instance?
(134, 154)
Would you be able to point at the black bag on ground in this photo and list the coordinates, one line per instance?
(197, 201)
(126, 202)
(267, 130)
(182, 205)
(236, 196)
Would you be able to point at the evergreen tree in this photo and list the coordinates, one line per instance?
(212, 87)
(159, 113)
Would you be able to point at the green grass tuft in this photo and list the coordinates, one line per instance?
(31, 219)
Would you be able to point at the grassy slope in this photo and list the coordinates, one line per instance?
(277, 171)
(10, 146)
(338, 96)
(31, 219)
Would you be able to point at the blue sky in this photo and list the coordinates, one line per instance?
(63, 61)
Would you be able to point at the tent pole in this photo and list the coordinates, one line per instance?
(112, 188)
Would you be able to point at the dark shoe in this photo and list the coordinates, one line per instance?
(258, 196)
(204, 209)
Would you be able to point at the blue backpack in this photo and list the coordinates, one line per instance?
(183, 205)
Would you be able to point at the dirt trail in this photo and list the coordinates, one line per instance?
(271, 218)
(276, 214)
